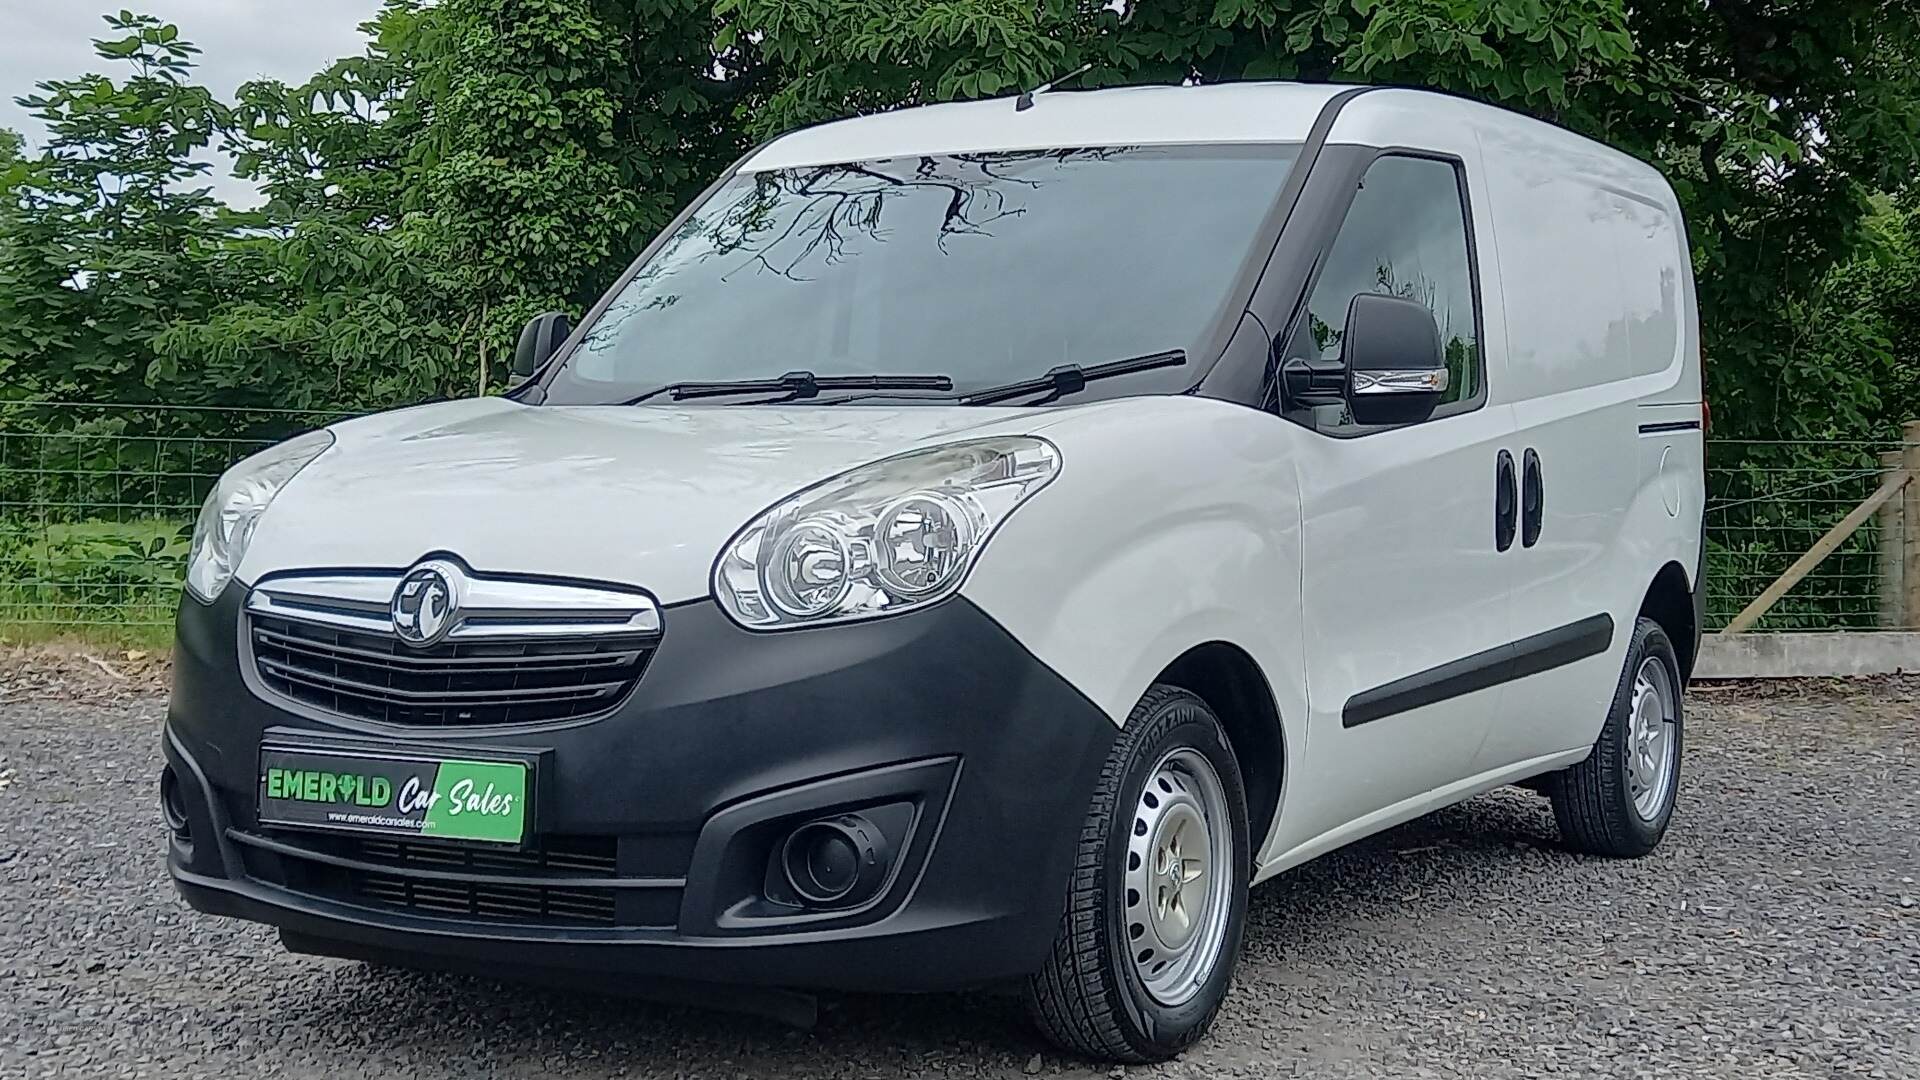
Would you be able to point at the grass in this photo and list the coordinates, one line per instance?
(58, 539)
(151, 637)
(106, 583)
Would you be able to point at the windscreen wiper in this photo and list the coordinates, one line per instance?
(797, 385)
(1072, 378)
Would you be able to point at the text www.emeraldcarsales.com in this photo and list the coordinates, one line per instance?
(344, 818)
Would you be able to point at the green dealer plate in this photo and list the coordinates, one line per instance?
(428, 797)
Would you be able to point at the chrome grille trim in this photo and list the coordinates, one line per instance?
(543, 662)
(519, 652)
(396, 696)
(493, 607)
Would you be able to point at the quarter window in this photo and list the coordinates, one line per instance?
(1405, 235)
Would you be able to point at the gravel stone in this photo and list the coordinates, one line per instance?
(1774, 934)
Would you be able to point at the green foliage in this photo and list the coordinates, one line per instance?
(486, 159)
(1861, 334)
(1775, 124)
(107, 232)
(562, 136)
(1845, 374)
(829, 58)
(92, 574)
(482, 160)
(329, 296)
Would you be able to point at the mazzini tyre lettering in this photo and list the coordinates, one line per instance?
(1593, 802)
(1091, 998)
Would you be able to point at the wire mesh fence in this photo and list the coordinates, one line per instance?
(1770, 502)
(97, 504)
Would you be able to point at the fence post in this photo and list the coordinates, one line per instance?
(1893, 549)
(1910, 520)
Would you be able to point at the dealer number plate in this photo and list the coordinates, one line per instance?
(436, 798)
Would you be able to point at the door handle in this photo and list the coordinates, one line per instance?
(1506, 500)
(1533, 495)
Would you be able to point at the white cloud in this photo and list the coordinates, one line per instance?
(241, 40)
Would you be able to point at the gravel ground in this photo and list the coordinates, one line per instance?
(1775, 934)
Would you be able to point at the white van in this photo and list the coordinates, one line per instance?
(971, 546)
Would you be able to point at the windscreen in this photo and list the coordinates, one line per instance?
(987, 268)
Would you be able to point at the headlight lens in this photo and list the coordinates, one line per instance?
(882, 538)
(228, 517)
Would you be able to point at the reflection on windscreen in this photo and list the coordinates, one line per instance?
(984, 267)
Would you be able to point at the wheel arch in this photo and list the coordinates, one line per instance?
(1227, 678)
(1669, 602)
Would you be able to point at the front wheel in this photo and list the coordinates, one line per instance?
(1620, 800)
(1157, 905)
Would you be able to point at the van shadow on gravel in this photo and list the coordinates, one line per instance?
(1291, 916)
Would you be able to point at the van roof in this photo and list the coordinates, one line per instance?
(1233, 112)
(1247, 112)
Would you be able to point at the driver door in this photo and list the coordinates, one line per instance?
(1405, 591)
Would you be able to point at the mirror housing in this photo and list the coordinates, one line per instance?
(539, 340)
(1311, 383)
(1396, 367)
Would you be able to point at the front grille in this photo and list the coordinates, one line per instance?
(566, 881)
(546, 902)
(587, 856)
(372, 676)
(530, 903)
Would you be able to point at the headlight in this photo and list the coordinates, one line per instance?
(228, 517)
(882, 538)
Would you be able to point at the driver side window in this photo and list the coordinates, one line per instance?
(1405, 235)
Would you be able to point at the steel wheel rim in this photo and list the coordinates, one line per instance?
(1652, 745)
(1179, 877)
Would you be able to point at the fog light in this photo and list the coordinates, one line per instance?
(835, 862)
(172, 806)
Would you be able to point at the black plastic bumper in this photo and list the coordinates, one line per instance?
(979, 758)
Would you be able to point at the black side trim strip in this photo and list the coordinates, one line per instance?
(1516, 660)
(1670, 425)
(1559, 647)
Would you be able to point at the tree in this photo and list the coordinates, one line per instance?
(107, 230)
(1775, 121)
(486, 159)
(327, 298)
(12, 174)
(483, 161)
(563, 134)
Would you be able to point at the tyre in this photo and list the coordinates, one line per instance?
(1157, 904)
(1620, 800)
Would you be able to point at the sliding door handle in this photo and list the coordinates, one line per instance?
(1533, 495)
(1506, 500)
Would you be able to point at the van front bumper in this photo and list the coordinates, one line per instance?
(978, 759)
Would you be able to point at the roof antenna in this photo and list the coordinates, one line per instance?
(1025, 100)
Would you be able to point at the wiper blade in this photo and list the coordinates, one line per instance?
(1072, 378)
(797, 384)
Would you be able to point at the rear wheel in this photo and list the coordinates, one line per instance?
(1157, 905)
(1620, 800)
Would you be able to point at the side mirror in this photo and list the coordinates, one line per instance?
(539, 341)
(1396, 368)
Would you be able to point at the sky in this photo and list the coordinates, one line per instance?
(240, 40)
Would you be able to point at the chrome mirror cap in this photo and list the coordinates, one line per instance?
(1401, 381)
